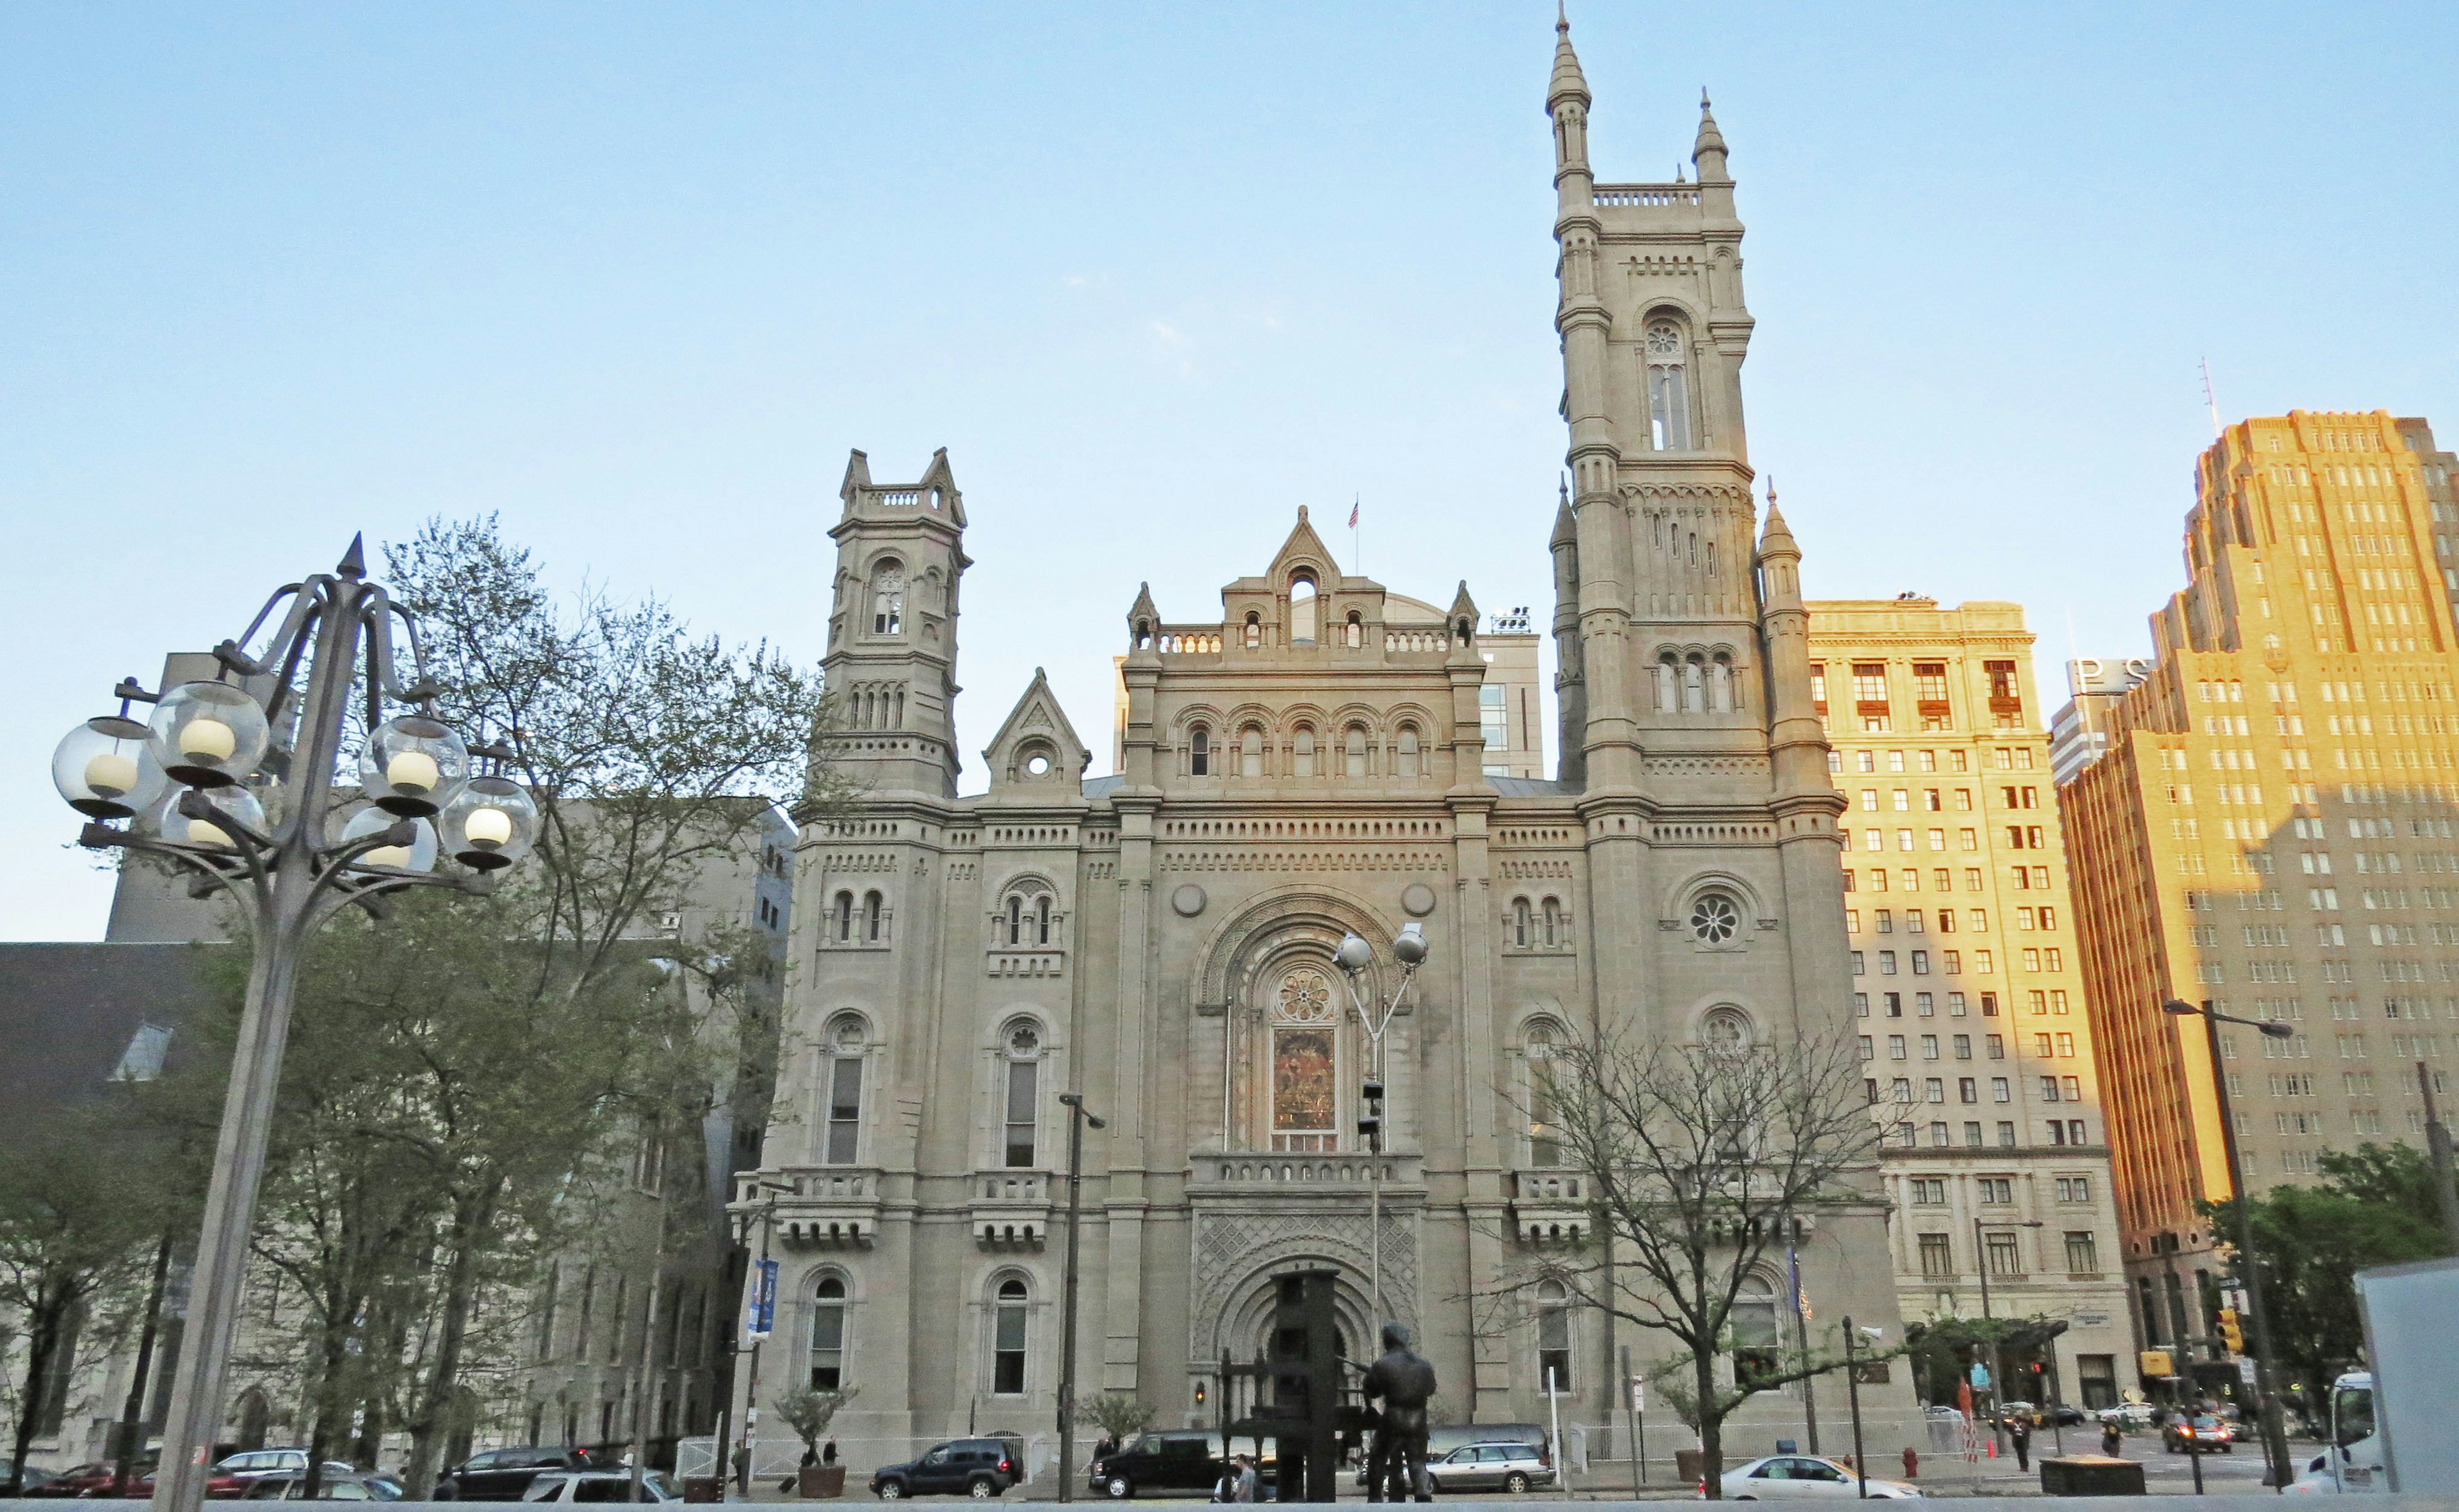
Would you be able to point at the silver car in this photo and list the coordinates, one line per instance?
(599, 1485)
(1513, 1467)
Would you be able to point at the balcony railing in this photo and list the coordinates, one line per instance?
(1260, 1170)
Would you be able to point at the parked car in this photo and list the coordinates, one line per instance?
(344, 1485)
(1804, 1476)
(1187, 1460)
(504, 1475)
(28, 1487)
(981, 1468)
(2127, 1414)
(2201, 1434)
(600, 1485)
(232, 1473)
(1514, 1467)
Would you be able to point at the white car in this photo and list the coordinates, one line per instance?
(599, 1485)
(1804, 1476)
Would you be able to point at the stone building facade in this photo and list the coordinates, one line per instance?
(2274, 828)
(1974, 1031)
(1306, 762)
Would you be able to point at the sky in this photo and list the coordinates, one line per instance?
(635, 279)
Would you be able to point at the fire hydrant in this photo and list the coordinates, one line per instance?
(1912, 1464)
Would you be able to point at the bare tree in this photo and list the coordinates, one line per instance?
(1702, 1162)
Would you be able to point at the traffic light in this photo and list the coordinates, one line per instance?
(2230, 1334)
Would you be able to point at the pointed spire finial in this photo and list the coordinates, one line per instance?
(354, 561)
(1567, 83)
(1708, 152)
(1564, 485)
(1562, 17)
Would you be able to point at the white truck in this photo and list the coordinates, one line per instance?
(2391, 1426)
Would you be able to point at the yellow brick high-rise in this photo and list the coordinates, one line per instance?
(2274, 827)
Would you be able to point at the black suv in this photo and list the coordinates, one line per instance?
(1159, 1461)
(981, 1468)
(504, 1475)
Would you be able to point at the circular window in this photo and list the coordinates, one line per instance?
(848, 1033)
(1727, 1031)
(1715, 918)
(1037, 764)
(1024, 1041)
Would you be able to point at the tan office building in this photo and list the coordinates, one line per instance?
(2271, 827)
(1969, 996)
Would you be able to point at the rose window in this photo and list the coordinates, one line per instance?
(1715, 918)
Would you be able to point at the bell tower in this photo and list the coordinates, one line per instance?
(1656, 616)
(892, 659)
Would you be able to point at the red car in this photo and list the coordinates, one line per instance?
(92, 1479)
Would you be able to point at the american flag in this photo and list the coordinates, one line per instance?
(1352, 513)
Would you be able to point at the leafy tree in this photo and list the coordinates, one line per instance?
(809, 1412)
(1700, 1160)
(2374, 1206)
(82, 1203)
(1116, 1414)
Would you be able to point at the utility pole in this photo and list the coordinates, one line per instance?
(1853, 1396)
(2437, 1144)
(1077, 1119)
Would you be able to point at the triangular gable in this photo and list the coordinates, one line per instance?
(1037, 727)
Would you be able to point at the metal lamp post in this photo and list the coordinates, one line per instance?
(1997, 1353)
(1078, 1117)
(2275, 1437)
(1354, 956)
(759, 1303)
(232, 780)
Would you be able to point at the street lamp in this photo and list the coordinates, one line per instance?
(759, 1319)
(1354, 955)
(2275, 1437)
(232, 779)
(1997, 1352)
(1078, 1117)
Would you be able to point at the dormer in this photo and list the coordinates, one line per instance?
(1035, 757)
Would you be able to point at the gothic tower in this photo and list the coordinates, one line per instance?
(1653, 555)
(892, 657)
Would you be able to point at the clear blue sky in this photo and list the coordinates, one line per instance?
(638, 276)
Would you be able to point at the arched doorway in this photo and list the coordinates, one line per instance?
(255, 1416)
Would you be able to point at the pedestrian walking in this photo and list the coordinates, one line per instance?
(1248, 1480)
(2112, 1438)
(2019, 1431)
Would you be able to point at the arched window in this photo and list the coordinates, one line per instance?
(1669, 399)
(1669, 696)
(1303, 1014)
(1007, 1341)
(1016, 918)
(1553, 1336)
(1520, 923)
(1695, 689)
(1354, 751)
(1408, 750)
(844, 1136)
(1302, 608)
(1545, 1134)
(1251, 751)
(829, 1335)
(1720, 685)
(1726, 1031)
(873, 908)
(1755, 1340)
(844, 918)
(1042, 920)
(1199, 752)
(1020, 1111)
(888, 597)
(1255, 630)
(1302, 751)
(1553, 912)
(1353, 634)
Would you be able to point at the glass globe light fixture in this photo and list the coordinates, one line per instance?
(414, 765)
(208, 734)
(105, 770)
(419, 855)
(164, 818)
(1411, 946)
(490, 824)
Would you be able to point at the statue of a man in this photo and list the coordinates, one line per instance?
(1404, 1382)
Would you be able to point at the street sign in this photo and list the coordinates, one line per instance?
(1638, 1395)
(2156, 1364)
(762, 1314)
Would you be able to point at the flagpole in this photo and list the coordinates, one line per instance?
(1356, 539)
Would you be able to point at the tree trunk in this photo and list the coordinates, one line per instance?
(43, 1341)
(132, 1429)
(328, 1395)
(1711, 1426)
(472, 1217)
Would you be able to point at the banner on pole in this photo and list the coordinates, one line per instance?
(760, 1316)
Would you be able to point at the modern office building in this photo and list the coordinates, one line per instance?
(2274, 828)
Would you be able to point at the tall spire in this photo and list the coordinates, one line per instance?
(1707, 153)
(1775, 535)
(1569, 82)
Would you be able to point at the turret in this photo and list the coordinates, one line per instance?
(1707, 155)
(892, 659)
(1570, 687)
(1797, 740)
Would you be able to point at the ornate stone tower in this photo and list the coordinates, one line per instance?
(1653, 555)
(891, 658)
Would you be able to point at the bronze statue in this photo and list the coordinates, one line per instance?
(1404, 1382)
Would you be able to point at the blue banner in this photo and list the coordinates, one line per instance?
(763, 1311)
